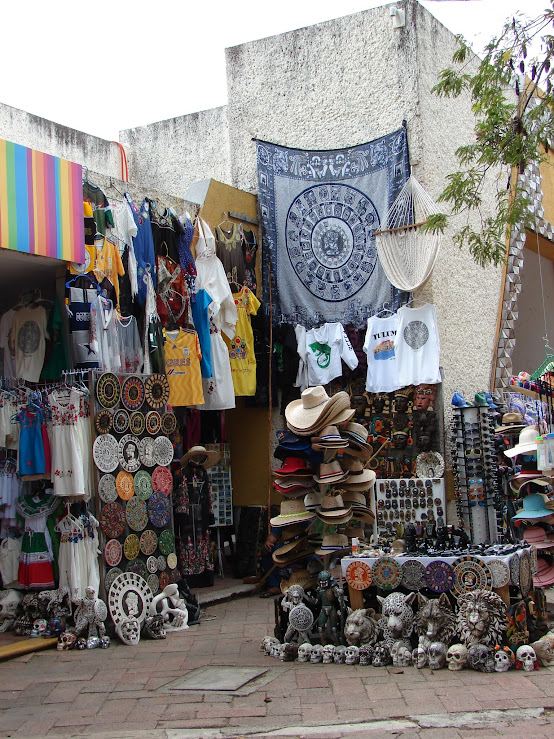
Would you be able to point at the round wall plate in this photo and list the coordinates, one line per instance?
(525, 576)
(143, 485)
(129, 453)
(413, 574)
(147, 451)
(136, 514)
(105, 453)
(124, 485)
(162, 480)
(129, 597)
(500, 572)
(163, 451)
(470, 574)
(358, 575)
(153, 423)
(156, 388)
(112, 520)
(107, 491)
(148, 541)
(120, 421)
(169, 423)
(112, 552)
(108, 390)
(159, 509)
(439, 576)
(132, 393)
(137, 423)
(131, 547)
(103, 421)
(387, 573)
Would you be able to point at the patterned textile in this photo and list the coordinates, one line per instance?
(319, 211)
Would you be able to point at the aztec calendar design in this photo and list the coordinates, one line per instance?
(416, 335)
(301, 618)
(330, 242)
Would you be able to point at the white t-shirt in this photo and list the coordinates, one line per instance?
(379, 346)
(417, 346)
(321, 351)
(29, 334)
(8, 346)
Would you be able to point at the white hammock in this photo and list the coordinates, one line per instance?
(407, 254)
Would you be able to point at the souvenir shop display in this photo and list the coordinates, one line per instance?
(221, 486)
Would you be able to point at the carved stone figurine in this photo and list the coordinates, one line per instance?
(456, 657)
(436, 655)
(90, 614)
(526, 659)
(304, 652)
(397, 618)
(361, 627)
(381, 655)
(481, 618)
(400, 654)
(331, 600)
(172, 607)
(352, 655)
(366, 655)
(435, 621)
(9, 601)
(153, 627)
(300, 617)
(57, 602)
(128, 631)
(481, 657)
(544, 651)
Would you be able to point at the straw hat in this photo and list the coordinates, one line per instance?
(301, 577)
(534, 506)
(527, 442)
(528, 476)
(312, 501)
(365, 515)
(200, 455)
(305, 549)
(292, 538)
(510, 422)
(304, 413)
(545, 574)
(291, 511)
(536, 536)
(333, 510)
(333, 543)
(329, 473)
(329, 439)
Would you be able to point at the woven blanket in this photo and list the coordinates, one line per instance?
(319, 211)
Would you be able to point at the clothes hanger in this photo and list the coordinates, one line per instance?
(87, 275)
(385, 311)
(225, 220)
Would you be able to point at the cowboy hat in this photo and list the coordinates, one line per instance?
(200, 455)
(296, 466)
(330, 438)
(536, 536)
(333, 510)
(545, 574)
(329, 473)
(510, 422)
(301, 577)
(333, 543)
(304, 413)
(527, 443)
(292, 511)
(292, 538)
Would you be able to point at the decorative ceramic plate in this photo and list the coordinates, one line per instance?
(153, 423)
(163, 577)
(104, 453)
(500, 572)
(136, 423)
(132, 393)
(136, 514)
(153, 583)
(439, 576)
(112, 552)
(143, 485)
(110, 577)
(429, 464)
(387, 573)
(148, 541)
(128, 453)
(525, 577)
(470, 574)
(156, 388)
(174, 575)
(413, 574)
(162, 480)
(147, 451)
(534, 561)
(124, 485)
(159, 509)
(163, 451)
(172, 561)
(138, 567)
(514, 570)
(120, 421)
(108, 390)
(358, 574)
(162, 563)
(112, 520)
(301, 618)
(166, 542)
(131, 546)
(129, 597)
(103, 421)
(169, 423)
(107, 491)
(152, 564)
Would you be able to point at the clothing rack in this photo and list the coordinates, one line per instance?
(242, 217)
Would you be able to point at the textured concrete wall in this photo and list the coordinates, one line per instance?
(53, 138)
(172, 154)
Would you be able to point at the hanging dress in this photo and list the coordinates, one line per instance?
(35, 563)
(67, 457)
(32, 459)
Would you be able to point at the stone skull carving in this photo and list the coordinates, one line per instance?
(503, 659)
(275, 650)
(304, 652)
(289, 652)
(381, 655)
(129, 631)
(339, 654)
(366, 655)
(544, 651)
(317, 654)
(154, 627)
(481, 657)
(436, 654)
(352, 655)
(328, 654)
(267, 643)
(528, 658)
(400, 654)
(456, 657)
(419, 657)
(66, 641)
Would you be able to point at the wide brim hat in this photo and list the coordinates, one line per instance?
(305, 412)
(527, 443)
(360, 487)
(333, 510)
(198, 453)
(510, 422)
(330, 473)
(362, 478)
(536, 536)
(526, 477)
(544, 575)
(292, 511)
(534, 506)
(292, 538)
(291, 441)
(330, 438)
(312, 500)
(333, 543)
(356, 499)
(304, 578)
(356, 434)
(283, 558)
(294, 466)
(365, 515)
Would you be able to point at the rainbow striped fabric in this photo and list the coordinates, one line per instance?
(41, 203)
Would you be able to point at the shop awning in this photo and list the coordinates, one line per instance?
(41, 203)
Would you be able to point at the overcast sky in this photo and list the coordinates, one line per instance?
(104, 67)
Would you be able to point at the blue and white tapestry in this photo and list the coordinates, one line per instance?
(319, 212)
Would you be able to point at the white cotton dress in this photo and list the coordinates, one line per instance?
(67, 457)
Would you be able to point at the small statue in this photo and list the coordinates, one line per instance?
(435, 621)
(128, 631)
(481, 618)
(329, 595)
(301, 618)
(456, 657)
(504, 659)
(30, 609)
(381, 655)
(544, 651)
(9, 602)
(526, 659)
(400, 654)
(397, 617)
(481, 657)
(436, 655)
(361, 627)
(90, 614)
(57, 602)
(153, 627)
(172, 607)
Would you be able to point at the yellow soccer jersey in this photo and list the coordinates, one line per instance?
(182, 367)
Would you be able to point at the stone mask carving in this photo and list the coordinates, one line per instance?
(457, 657)
(436, 655)
(129, 631)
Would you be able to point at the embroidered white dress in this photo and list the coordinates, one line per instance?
(67, 458)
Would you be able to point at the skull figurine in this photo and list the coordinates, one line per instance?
(39, 627)
(527, 657)
(154, 627)
(267, 643)
(304, 652)
(503, 658)
(339, 654)
(366, 655)
(456, 657)
(381, 655)
(419, 657)
(104, 642)
(352, 655)
(317, 654)
(275, 650)
(93, 642)
(328, 654)
(129, 631)
(66, 641)
(437, 655)
(400, 654)
(480, 657)
(81, 643)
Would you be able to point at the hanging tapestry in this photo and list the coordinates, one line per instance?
(319, 212)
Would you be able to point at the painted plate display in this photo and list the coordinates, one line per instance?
(163, 451)
(128, 453)
(358, 574)
(112, 520)
(534, 561)
(108, 390)
(107, 491)
(129, 597)
(162, 564)
(164, 580)
(138, 567)
(148, 541)
(439, 576)
(514, 569)
(470, 574)
(152, 564)
(131, 546)
(132, 393)
(143, 485)
(156, 388)
(413, 574)
(387, 573)
(500, 572)
(159, 509)
(153, 423)
(162, 480)
(120, 421)
(112, 552)
(136, 423)
(110, 577)
(124, 485)
(174, 575)
(103, 421)
(104, 453)
(153, 583)
(525, 576)
(147, 451)
(429, 464)
(169, 423)
(166, 542)
(136, 514)
(172, 561)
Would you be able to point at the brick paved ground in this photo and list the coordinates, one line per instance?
(125, 689)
